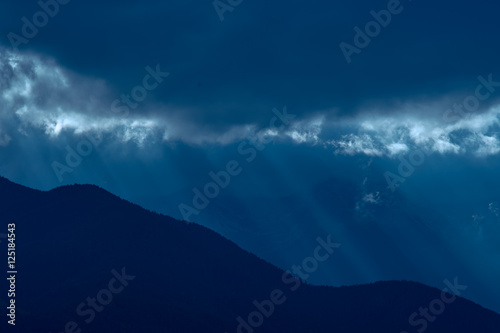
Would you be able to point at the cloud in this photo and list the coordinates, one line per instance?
(4, 139)
(386, 135)
(372, 198)
(39, 94)
(494, 208)
(306, 131)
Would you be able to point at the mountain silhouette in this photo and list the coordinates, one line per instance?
(89, 261)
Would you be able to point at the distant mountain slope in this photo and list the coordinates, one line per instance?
(76, 243)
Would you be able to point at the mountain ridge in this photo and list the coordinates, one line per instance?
(187, 277)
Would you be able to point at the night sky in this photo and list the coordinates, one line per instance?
(273, 123)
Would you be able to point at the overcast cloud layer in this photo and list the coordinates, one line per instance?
(37, 93)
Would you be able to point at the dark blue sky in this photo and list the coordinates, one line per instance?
(168, 93)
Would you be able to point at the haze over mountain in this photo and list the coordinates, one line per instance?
(443, 221)
(73, 242)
